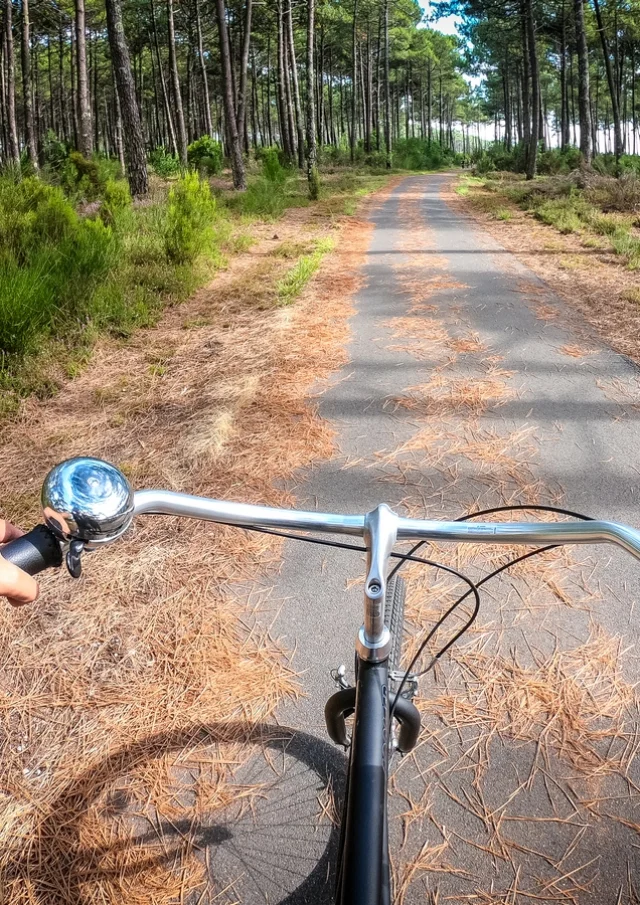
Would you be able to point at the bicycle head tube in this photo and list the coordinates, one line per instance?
(380, 530)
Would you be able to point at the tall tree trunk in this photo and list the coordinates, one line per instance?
(280, 88)
(634, 122)
(27, 98)
(354, 79)
(163, 85)
(133, 139)
(235, 149)
(368, 92)
(291, 126)
(288, 100)
(387, 88)
(62, 97)
(406, 103)
(333, 138)
(320, 113)
(508, 135)
(526, 75)
(119, 138)
(52, 114)
(378, 94)
(296, 88)
(95, 116)
(85, 141)
(256, 126)
(312, 156)
(269, 126)
(532, 156)
(584, 109)
(244, 65)
(4, 134)
(175, 82)
(429, 103)
(14, 148)
(441, 110)
(203, 73)
(564, 97)
(613, 91)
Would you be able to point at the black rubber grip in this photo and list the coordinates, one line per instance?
(34, 552)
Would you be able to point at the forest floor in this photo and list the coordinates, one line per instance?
(162, 731)
(159, 664)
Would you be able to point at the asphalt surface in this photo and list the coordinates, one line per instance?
(562, 839)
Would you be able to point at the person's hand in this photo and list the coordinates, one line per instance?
(18, 587)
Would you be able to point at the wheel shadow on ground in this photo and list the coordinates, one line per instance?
(281, 849)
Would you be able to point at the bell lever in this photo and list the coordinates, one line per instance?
(72, 559)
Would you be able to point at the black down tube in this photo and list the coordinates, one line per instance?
(364, 859)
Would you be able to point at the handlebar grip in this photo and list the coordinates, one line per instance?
(34, 552)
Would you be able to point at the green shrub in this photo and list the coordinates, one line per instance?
(163, 163)
(32, 215)
(558, 161)
(421, 154)
(266, 195)
(190, 214)
(484, 164)
(205, 155)
(25, 307)
(116, 198)
(262, 199)
(272, 168)
(262, 152)
(85, 259)
(82, 177)
(55, 152)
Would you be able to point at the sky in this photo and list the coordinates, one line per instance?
(447, 25)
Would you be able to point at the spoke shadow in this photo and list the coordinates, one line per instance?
(280, 848)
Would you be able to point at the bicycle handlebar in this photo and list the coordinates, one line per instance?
(162, 502)
(88, 503)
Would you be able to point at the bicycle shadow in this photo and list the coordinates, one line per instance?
(278, 849)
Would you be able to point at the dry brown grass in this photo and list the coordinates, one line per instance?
(155, 661)
(625, 392)
(575, 351)
(445, 394)
(570, 702)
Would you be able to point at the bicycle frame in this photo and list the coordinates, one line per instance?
(363, 877)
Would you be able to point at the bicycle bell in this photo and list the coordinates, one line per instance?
(87, 502)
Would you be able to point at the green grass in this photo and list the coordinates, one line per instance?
(67, 279)
(466, 183)
(559, 204)
(297, 277)
(562, 214)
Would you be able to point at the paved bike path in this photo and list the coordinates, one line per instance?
(497, 826)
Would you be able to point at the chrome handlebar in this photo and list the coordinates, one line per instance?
(164, 502)
(90, 502)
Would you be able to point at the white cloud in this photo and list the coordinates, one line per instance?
(448, 25)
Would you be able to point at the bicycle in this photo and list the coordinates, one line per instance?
(88, 503)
